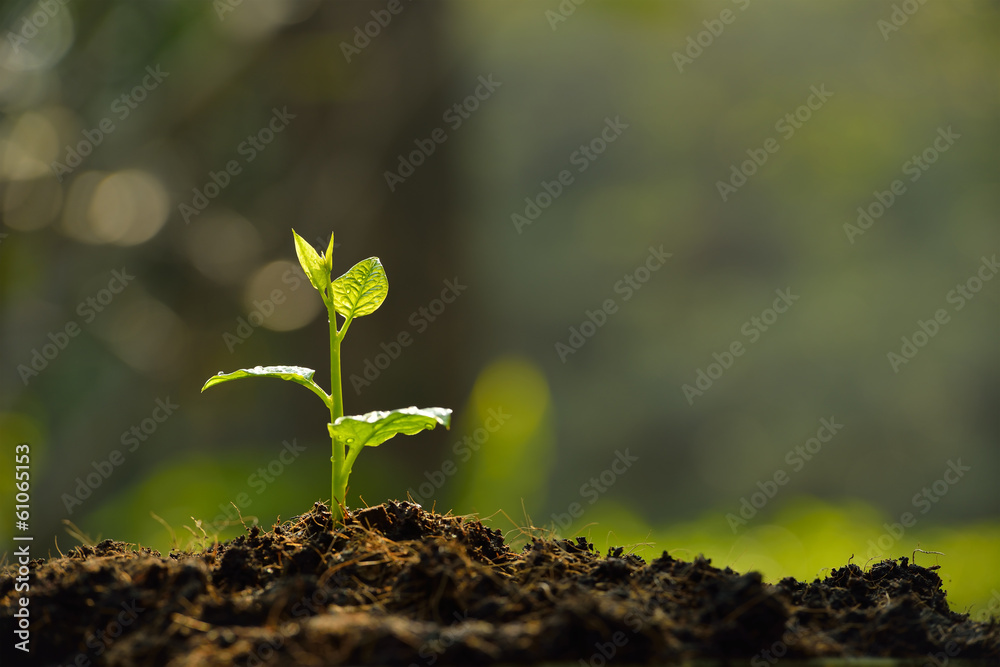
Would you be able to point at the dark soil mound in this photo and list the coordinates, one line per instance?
(396, 585)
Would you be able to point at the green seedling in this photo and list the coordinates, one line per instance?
(358, 292)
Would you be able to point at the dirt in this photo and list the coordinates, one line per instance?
(397, 585)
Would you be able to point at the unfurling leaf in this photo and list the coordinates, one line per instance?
(313, 265)
(328, 257)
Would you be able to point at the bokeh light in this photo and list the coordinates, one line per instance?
(29, 147)
(32, 204)
(127, 208)
(223, 246)
(279, 298)
(38, 38)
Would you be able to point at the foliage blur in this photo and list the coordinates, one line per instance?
(211, 129)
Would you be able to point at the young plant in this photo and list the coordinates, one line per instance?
(358, 292)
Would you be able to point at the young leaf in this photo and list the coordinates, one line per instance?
(312, 264)
(297, 374)
(361, 290)
(328, 257)
(374, 428)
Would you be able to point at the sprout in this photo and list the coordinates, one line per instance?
(358, 292)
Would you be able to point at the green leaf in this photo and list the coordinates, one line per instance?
(361, 290)
(297, 374)
(374, 428)
(328, 257)
(313, 265)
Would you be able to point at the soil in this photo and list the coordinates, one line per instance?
(397, 585)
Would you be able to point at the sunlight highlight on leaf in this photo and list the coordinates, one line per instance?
(361, 290)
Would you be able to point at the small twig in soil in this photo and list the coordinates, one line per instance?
(173, 536)
(192, 623)
(240, 515)
(77, 534)
(913, 555)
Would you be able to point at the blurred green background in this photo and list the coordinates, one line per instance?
(522, 169)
